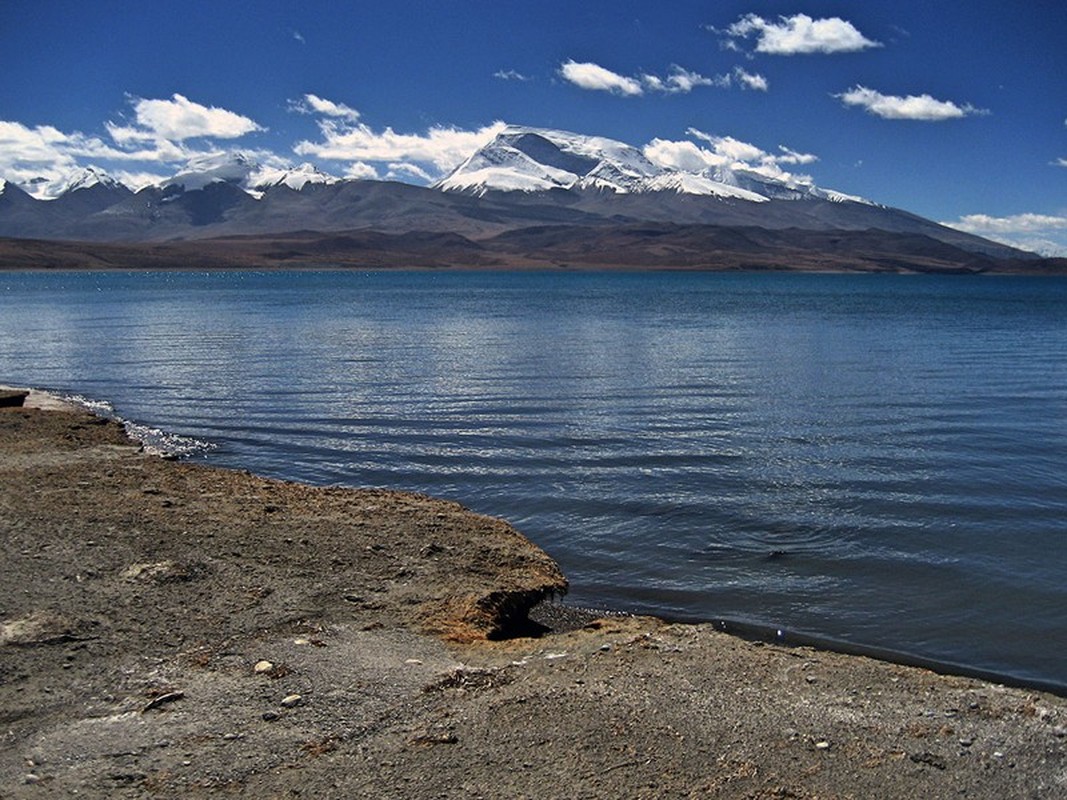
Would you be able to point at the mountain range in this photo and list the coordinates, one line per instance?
(530, 198)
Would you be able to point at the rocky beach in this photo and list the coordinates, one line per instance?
(175, 630)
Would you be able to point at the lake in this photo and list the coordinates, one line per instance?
(873, 461)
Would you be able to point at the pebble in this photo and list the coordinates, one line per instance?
(269, 716)
(824, 745)
(966, 742)
(292, 701)
(262, 666)
(32, 778)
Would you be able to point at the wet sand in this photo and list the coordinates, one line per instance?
(175, 630)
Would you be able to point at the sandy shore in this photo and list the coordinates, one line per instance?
(174, 630)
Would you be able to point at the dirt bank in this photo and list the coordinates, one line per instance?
(174, 630)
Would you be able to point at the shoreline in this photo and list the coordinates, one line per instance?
(141, 598)
(565, 617)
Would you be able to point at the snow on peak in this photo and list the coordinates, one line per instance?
(211, 168)
(50, 188)
(537, 159)
(294, 177)
(700, 183)
(242, 170)
(89, 177)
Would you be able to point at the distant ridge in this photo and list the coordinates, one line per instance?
(567, 198)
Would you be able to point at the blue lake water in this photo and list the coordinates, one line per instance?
(873, 460)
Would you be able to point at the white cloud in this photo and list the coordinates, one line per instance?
(725, 151)
(1019, 223)
(178, 119)
(299, 37)
(800, 34)
(362, 171)
(793, 157)
(511, 75)
(1040, 233)
(313, 104)
(680, 155)
(137, 180)
(749, 80)
(678, 81)
(596, 78)
(46, 152)
(921, 107)
(400, 170)
(439, 150)
(1060, 162)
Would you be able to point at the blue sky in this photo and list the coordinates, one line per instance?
(954, 110)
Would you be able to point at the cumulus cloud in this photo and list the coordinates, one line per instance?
(401, 170)
(594, 77)
(681, 155)
(1019, 223)
(1040, 233)
(921, 107)
(681, 81)
(178, 119)
(798, 34)
(678, 81)
(749, 80)
(725, 151)
(313, 104)
(361, 171)
(45, 152)
(424, 156)
(138, 179)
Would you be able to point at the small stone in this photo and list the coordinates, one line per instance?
(966, 742)
(262, 667)
(31, 778)
(823, 745)
(301, 641)
(292, 701)
(1059, 731)
(269, 716)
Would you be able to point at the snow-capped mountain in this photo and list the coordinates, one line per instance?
(294, 177)
(87, 178)
(537, 159)
(234, 168)
(43, 188)
(533, 193)
(244, 171)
